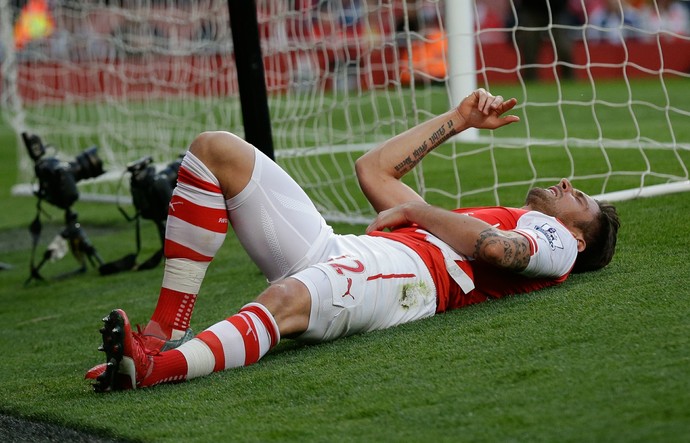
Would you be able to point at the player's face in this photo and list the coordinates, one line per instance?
(563, 202)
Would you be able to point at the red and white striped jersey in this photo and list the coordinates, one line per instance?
(553, 250)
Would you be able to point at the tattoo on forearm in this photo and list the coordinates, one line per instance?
(442, 134)
(420, 151)
(406, 165)
(515, 250)
(439, 136)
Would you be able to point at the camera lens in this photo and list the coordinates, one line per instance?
(151, 190)
(87, 164)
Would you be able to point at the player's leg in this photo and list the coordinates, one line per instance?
(384, 286)
(223, 177)
(240, 340)
(197, 211)
(271, 215)
(274, 219)
(195, 229)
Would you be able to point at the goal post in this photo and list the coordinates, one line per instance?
(250, 75)
(143, 77)
(462, 66)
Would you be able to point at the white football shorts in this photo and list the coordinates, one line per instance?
(369, 283)
(357, 283)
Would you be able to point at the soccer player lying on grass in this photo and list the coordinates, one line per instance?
(415, 260)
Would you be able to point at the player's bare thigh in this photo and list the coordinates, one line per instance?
(228, 157)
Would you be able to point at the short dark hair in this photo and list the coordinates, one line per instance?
(600, 235)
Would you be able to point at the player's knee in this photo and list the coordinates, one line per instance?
(209, 144)
(227, 156)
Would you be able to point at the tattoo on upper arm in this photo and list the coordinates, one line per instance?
(513, 249)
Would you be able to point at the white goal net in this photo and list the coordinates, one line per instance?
(602, 89)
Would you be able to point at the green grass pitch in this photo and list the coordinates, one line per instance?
(604, 357)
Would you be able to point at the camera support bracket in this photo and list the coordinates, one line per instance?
(128, 262)
(79, 245)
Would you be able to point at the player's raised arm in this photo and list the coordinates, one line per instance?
(379, 171)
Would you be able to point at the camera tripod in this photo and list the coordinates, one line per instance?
(76, 239)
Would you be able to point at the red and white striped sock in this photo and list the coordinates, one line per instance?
(195, 229)
(239, 340)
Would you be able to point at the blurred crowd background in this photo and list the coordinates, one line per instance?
(93, 25)
(305, 37)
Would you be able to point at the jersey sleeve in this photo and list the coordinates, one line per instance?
(553, 247)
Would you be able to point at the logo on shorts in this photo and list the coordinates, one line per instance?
(347, 292)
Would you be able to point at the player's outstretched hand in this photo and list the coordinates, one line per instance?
(483, 110)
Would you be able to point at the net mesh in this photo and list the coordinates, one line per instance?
(602, 90)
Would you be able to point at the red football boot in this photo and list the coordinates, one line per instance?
(127, 362)
(152, 345)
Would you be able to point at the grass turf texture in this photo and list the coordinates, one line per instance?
(603, 357)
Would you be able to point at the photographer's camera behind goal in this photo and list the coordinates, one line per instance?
(57, 179)
(151, 189)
